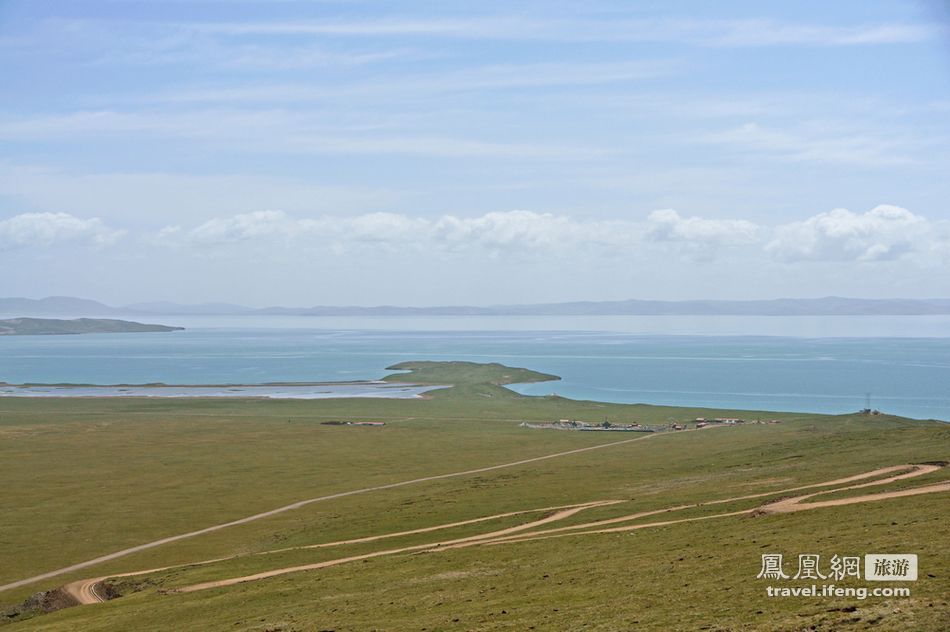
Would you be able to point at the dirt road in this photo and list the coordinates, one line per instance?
(309, 501)
(524, 533)
(558, 515)
(88, 591)
(84, 591)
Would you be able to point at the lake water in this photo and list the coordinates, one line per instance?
(816, 364)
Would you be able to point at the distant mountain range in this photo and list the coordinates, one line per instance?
(828, 306)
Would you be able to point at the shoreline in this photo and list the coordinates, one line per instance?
(222, 385)
(273, 390)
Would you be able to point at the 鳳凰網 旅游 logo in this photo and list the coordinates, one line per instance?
(877, 567)
(813, 567)
(890, 568)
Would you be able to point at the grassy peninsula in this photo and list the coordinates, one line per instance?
(56, 326)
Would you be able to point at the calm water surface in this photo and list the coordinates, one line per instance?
(766, 363)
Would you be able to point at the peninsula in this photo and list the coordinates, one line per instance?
(54, 326)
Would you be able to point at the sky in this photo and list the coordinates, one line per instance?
(340, 152)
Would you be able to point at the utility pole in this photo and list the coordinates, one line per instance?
(867, 401)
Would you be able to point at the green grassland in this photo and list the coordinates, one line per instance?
(86, 477)
(58, 327)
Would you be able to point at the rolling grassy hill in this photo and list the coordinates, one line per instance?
(83, 478)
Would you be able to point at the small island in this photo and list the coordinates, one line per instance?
(55, 326)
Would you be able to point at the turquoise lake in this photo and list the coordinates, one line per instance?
(762, 363)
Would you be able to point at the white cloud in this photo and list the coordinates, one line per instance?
(885, 232)
(418, 87)
(257, 227)
(517, 232)
(819, 144)
(498, 230)
(276, 131)
(723, 33)
(698, 238)
(48, 229)
(512, 229)
(668, 225)
(747, 33)
(222, 54)
(384, 227)
(269, 227)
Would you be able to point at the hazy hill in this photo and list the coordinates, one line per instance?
(167, 307)
(55, 306)
(827, 306)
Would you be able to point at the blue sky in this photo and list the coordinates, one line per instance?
(330, 152)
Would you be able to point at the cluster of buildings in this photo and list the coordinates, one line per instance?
(607, 426)
(702, 422)
(573, 424)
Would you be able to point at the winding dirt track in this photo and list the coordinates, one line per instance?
(526, 532)
(84, 590)
(786, 505)
(559, 515)
(795, 504)
(309, 501)
(87, 591)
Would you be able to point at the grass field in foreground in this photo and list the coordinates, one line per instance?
(87, 477)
